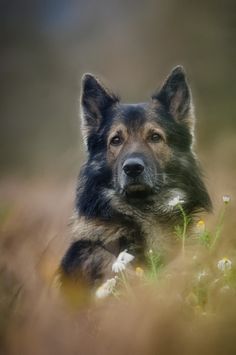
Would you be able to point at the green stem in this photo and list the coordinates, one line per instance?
(153, 265)
(185, 224)
(219, 227)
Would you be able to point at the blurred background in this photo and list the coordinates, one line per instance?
(46, 46)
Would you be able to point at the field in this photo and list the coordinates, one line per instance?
(186, 307)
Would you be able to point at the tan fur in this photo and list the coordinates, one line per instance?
(140, 142)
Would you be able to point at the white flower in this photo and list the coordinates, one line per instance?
(226, 199)
(224, 264)
(106, 289)
(118, 266)
(201, 275)
(122, 260)
(175, 201)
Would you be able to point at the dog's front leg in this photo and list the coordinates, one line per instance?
(87, 261)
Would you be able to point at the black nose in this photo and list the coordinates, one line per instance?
(133, 167)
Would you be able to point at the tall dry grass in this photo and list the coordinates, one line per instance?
(159, 318)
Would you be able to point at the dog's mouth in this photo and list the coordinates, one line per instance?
(137, 191)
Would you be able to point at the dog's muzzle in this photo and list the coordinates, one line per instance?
(134, 181)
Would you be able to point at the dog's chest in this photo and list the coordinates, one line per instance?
(158, 237)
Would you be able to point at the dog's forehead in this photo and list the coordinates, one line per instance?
(134, 116)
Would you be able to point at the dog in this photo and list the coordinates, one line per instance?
(140, 159)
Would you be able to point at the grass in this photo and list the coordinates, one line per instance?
(208, 272)
(187, 306)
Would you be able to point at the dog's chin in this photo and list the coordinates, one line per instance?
(137, 191)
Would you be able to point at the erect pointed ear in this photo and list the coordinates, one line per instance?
(95, 100)
(175, 96)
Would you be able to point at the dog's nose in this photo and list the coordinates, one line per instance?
(133, 167)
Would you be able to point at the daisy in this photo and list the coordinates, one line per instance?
(106, 289)
(224, 264)
(226, 199)
(201, 275)
(122, 260)
(175, 201)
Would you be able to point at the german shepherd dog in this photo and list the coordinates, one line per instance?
(139, 158)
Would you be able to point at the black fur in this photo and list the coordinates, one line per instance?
(74, 262)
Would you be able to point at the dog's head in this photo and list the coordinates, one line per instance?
(147, 147)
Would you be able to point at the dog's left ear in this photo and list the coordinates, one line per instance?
(175, 96)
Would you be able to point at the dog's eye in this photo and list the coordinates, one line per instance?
(116, 140)
(155, 137)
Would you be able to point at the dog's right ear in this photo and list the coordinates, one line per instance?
(175, 96)
(95, 101)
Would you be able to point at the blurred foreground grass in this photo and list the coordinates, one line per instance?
(186, 307)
